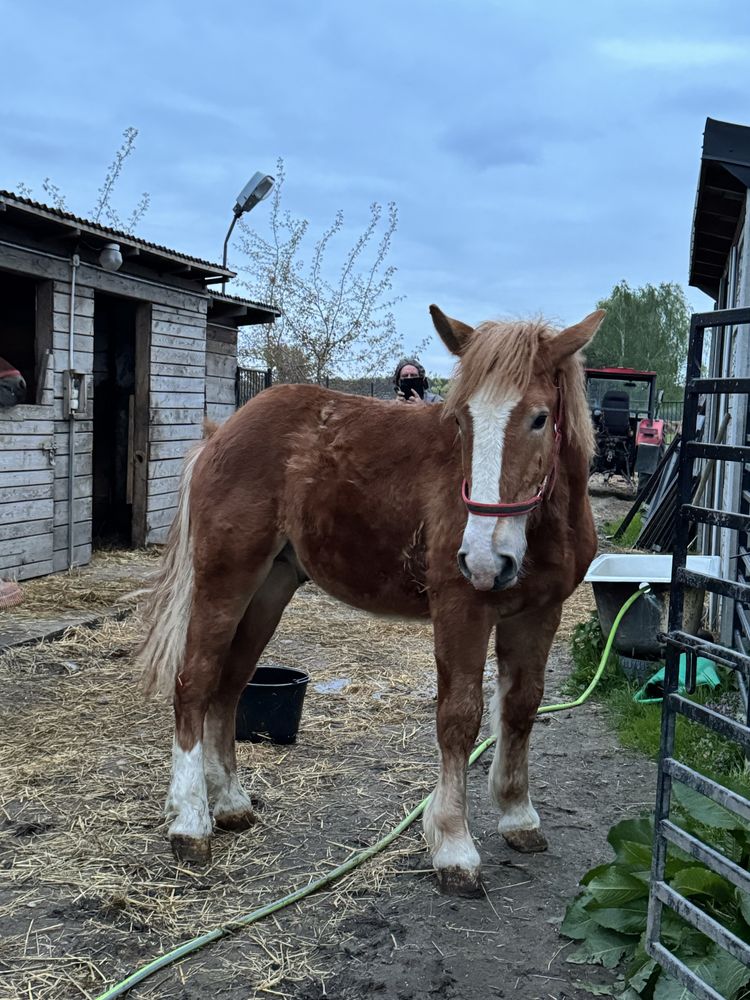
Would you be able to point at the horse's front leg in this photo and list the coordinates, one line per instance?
(460, 652)
(522, 645)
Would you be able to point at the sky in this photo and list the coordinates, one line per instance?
(538, 151)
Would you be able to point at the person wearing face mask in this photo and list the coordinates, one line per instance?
(411, 384)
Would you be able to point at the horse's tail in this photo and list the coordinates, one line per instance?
(169, 597)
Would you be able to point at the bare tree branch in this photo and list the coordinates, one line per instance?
(328, 327)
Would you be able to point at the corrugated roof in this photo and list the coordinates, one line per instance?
(223, 297)
(719, 202)
(40, 210)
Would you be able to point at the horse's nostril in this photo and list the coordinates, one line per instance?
(462, 565)
(507, 571)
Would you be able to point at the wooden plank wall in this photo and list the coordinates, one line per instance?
(177, 387)
(221, 372)
(83, 344)
(26, 487)
(177, 398)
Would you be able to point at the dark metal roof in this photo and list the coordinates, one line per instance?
(230, 310)
(720, 201)
(45, 219)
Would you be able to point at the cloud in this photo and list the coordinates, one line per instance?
(671, 54)
(537, 152)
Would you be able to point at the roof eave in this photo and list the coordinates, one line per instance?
(202, 270)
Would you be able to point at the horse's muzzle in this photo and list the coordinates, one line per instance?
(506, 573)
(12, 390)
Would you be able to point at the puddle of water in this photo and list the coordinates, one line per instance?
(330, 687)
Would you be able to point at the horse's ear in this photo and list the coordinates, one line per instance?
(454, 334)
(575, 337)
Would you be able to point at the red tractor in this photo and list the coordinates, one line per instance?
(629, 438)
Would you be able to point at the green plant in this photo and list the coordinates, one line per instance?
(608, 918)
(586, 648)
(639, 728)
(630, 534)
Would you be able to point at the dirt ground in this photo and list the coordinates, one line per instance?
(89, 890)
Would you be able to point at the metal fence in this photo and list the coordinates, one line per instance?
(671, 411)
(702, 978)
(251, 381)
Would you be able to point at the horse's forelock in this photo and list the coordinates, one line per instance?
(500, 356)
(503, 355)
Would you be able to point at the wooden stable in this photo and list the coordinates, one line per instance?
(121, 368)
(720, 267)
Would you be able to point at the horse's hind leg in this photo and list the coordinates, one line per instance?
(460, 652)
(218, 605)
(232, 807)
(522, 645)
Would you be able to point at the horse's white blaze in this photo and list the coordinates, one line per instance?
(445, 825)
(484, 537)
(187, 801)
(521, 814)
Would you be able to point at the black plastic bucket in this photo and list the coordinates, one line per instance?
(270, 707)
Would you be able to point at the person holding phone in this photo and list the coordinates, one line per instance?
(411, 384)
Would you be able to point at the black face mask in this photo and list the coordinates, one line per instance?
(414, 382)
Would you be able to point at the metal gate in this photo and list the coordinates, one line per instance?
(666, 830)
(251, 381)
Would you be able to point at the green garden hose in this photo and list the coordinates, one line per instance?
(119, 989)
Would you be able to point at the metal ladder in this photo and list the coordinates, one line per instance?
(666, 831)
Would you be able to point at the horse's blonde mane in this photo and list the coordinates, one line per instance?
(503, 355)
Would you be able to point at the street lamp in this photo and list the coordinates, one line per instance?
(257, 188)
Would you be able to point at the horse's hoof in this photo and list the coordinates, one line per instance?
(459, 882)
(191, 850)
(241, 819)
(526, 841)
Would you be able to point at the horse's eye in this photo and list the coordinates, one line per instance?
(539, 421)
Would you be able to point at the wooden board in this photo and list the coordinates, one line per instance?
(81, 508)
(166, 400)
(169, 449)
(83, 325)
(165, 467)
(175, 384)
(176, 432)
(162, 501)
(161, 518)
(178, 341)
(162, 486)
(223, 365)
(157, 536)
(81, 556)
(17, 494)
(82, 487)
(25, 529)
(221, 335)
(61, 303)
(179, 415)
(21, 461)
(23, 512)
(81, 535)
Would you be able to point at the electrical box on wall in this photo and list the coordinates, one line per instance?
(75, 393)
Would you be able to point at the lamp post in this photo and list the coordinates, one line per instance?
(257, 188)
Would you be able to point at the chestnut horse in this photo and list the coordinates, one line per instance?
(302, 483)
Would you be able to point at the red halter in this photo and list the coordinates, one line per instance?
(522, 506)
